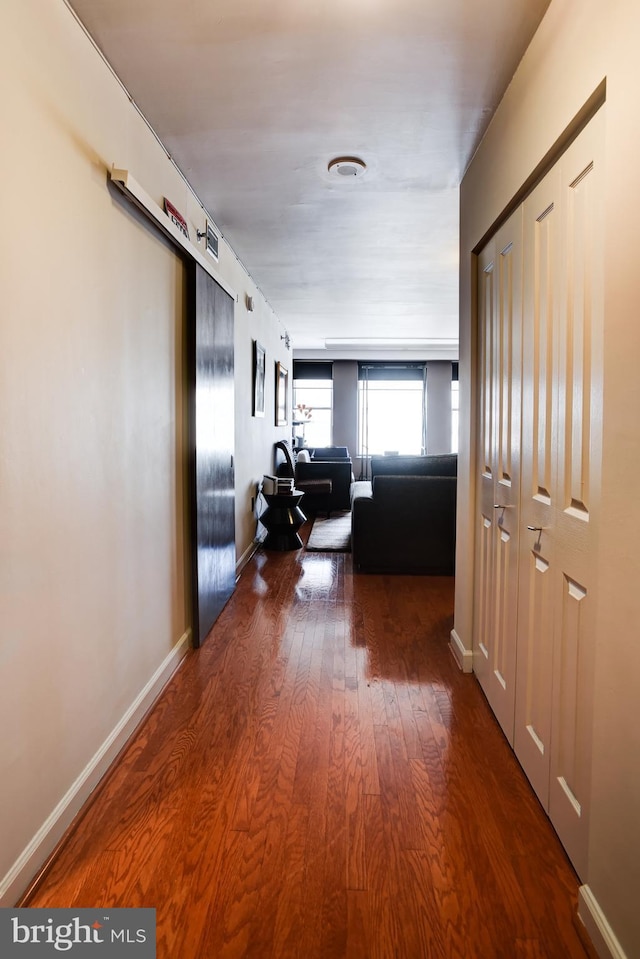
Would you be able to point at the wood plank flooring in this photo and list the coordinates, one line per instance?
(320, 781)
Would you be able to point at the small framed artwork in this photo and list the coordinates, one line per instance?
(282, 395)
(259, 367)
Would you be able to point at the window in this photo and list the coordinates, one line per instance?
(392, 408)
(312, 403)
(455, 407)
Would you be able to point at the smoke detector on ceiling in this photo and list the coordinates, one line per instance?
(347, 167)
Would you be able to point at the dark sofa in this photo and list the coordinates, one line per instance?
(404, 520)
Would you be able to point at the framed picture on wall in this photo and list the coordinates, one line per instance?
(282, 395)
(259, 367)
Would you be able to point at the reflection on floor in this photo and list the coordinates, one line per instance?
(320, 781)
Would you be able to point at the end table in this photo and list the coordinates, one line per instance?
(282, 519)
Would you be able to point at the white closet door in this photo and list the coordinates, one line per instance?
(577, 506)
(562, 404)
(500, 313)
(537, 604)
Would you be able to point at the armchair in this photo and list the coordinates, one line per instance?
(326, 484)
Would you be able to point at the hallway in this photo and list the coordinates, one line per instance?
(320, 781)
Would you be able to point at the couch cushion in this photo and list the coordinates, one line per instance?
(330, 453)
(440, 464)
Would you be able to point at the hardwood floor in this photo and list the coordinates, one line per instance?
(320, 781)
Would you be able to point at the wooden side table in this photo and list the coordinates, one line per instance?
(282, 519)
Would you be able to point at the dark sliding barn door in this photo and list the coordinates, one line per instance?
(212, 446)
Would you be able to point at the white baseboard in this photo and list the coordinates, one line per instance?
(595, 922)
(35, 855)
(246, 556)
(463, 656)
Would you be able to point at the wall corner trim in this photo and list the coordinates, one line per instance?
(598, 929)
(462, 655)
(43, 844)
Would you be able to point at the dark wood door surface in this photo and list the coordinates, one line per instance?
(212, 446)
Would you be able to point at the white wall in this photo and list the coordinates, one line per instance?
(93, 588)
(579, 44)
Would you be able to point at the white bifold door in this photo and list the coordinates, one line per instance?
(498, 463)
(540, 394)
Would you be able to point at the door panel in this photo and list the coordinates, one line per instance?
(577, 482)
(540, 328)
(487, 359)
(561, 428)
(539, 345)
(532, 740)
(499, 479)
(212, 442)
(542, 271)
(567, 760)
(485, 551)
(483, 604)
(576, 358)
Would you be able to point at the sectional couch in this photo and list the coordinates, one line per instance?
(404, 519)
